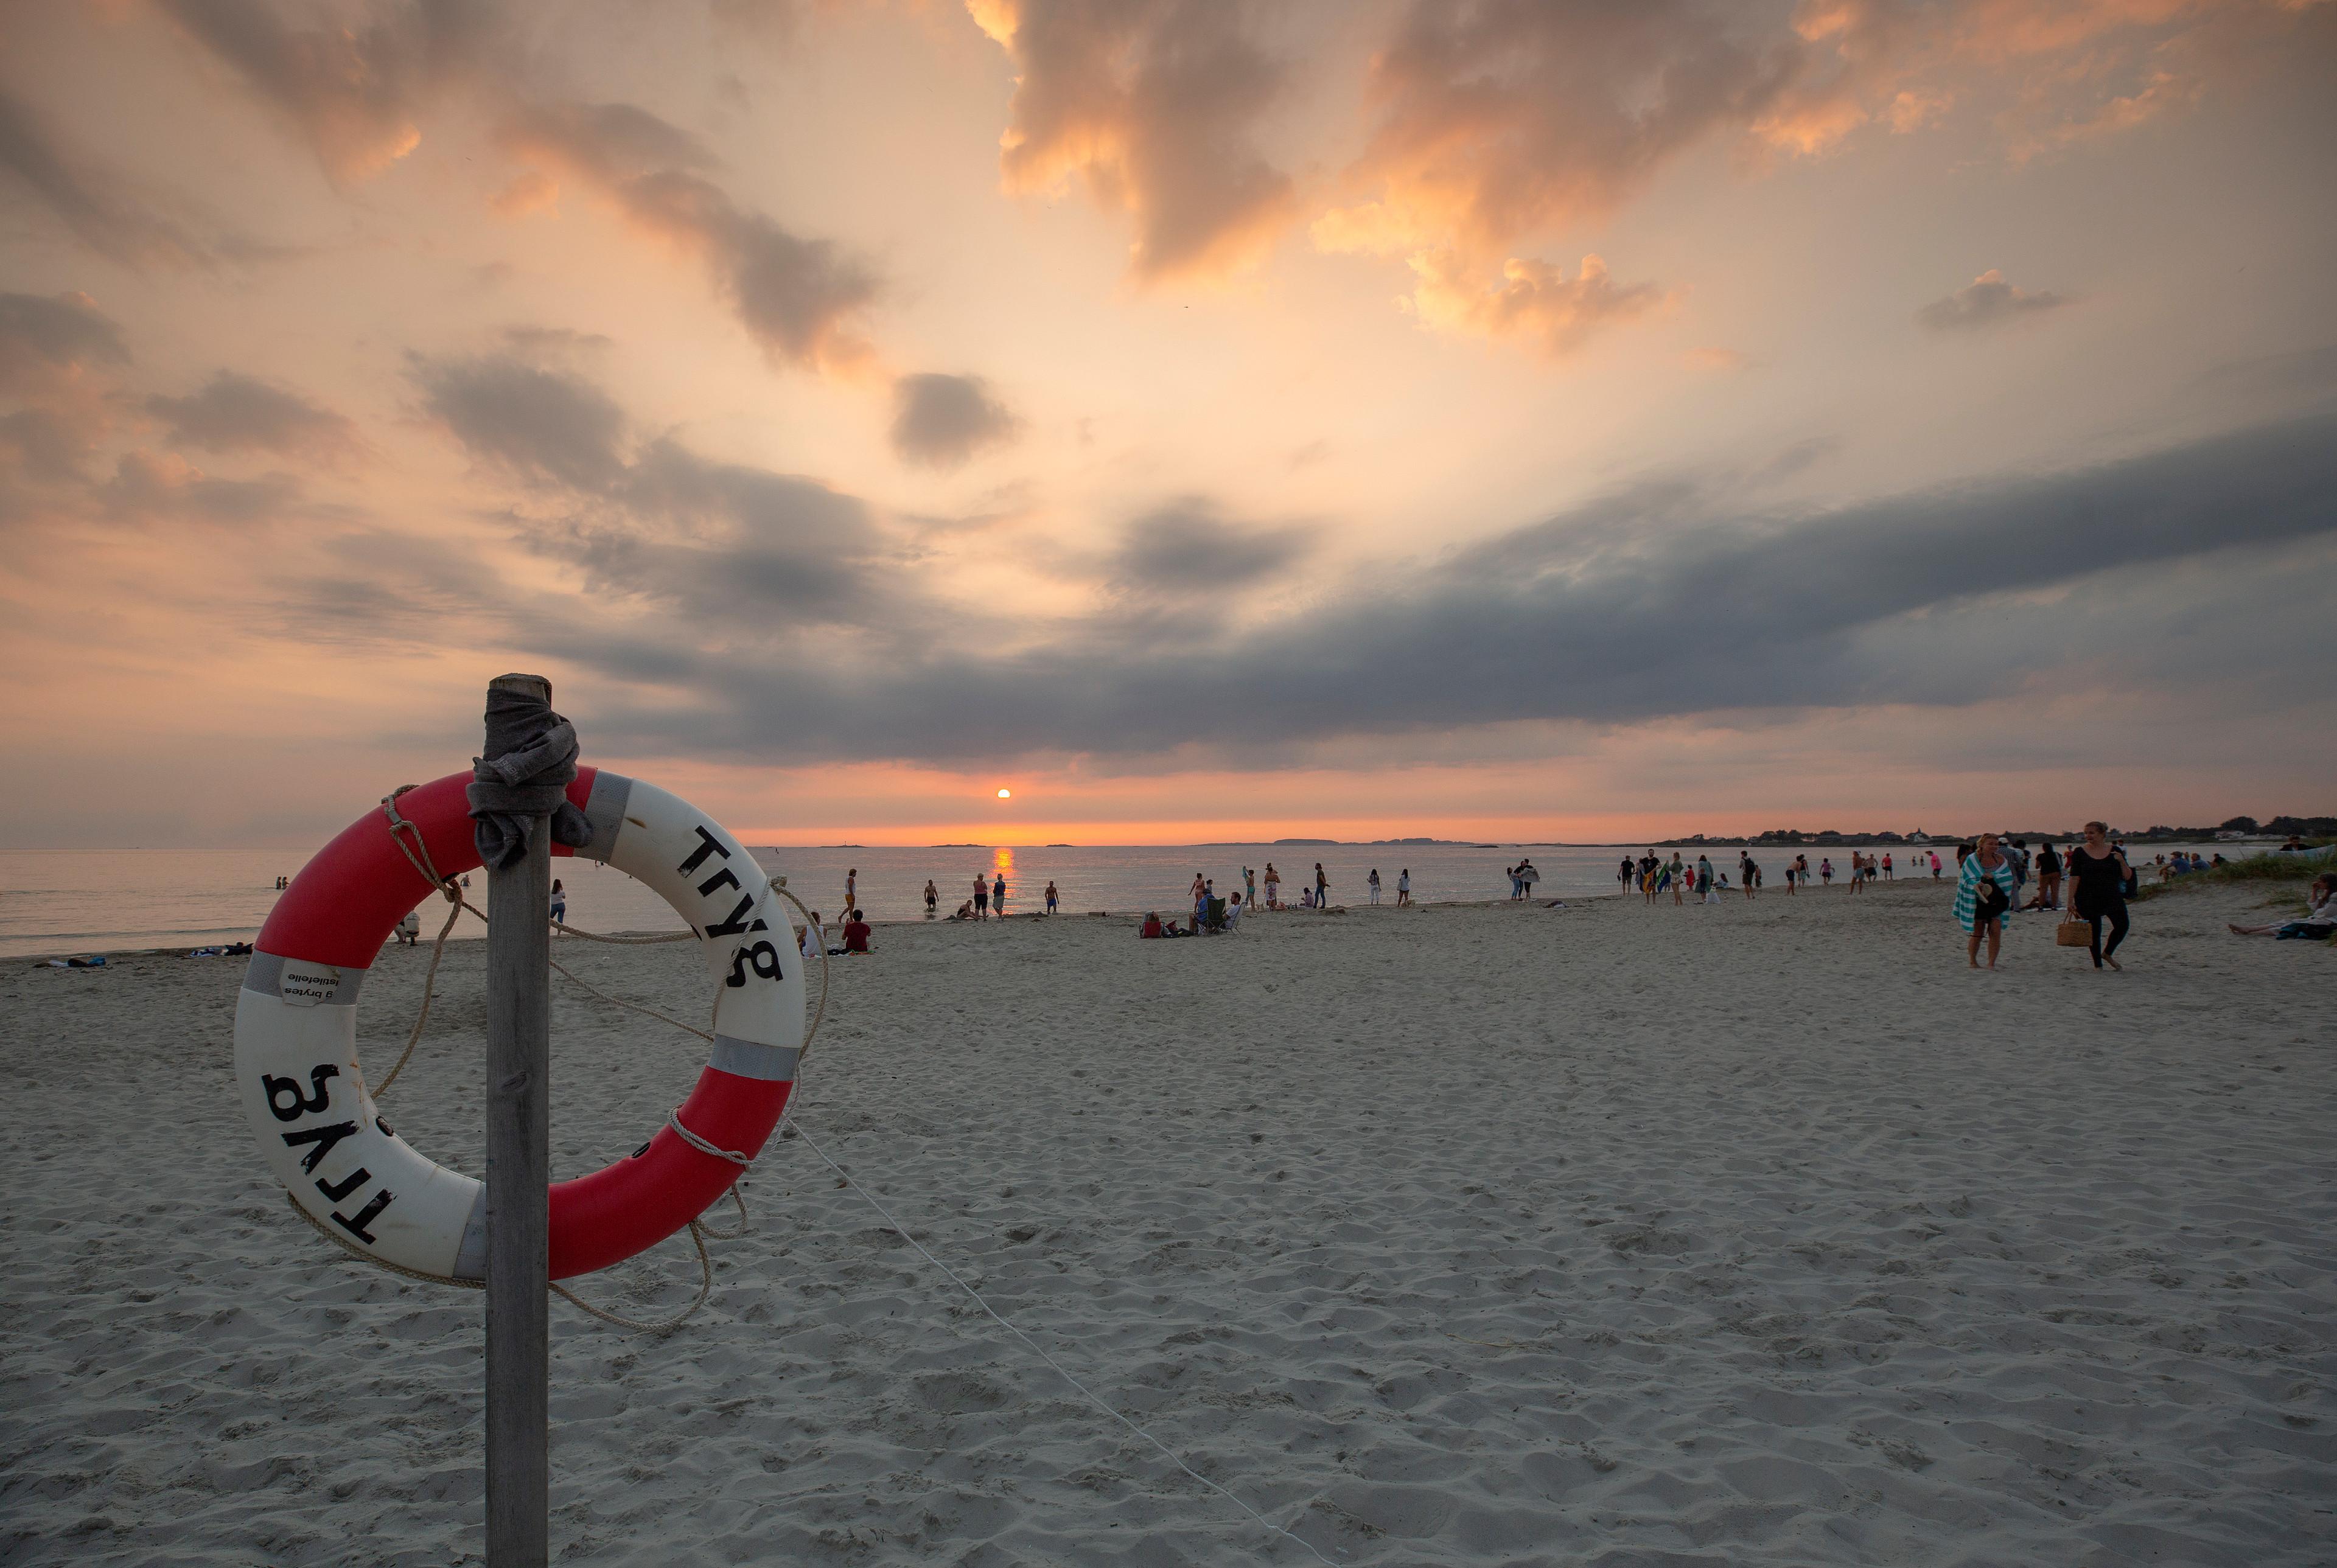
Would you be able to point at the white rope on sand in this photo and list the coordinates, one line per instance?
(1035, 1348)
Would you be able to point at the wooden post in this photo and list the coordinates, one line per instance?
(518, 1222)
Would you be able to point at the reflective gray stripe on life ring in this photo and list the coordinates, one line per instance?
(471, 1257)
(605, 808)
(266, 976)
(746, 1059)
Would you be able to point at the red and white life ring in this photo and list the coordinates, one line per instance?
(305, 1096)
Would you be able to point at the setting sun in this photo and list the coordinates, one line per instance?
(1005, 794)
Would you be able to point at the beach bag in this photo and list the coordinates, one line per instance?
(1990, 902)
(2073, 934)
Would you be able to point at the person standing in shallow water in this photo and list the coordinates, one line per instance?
(2098, 874)
(932, 898)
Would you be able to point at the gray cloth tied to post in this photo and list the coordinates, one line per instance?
(531, 761)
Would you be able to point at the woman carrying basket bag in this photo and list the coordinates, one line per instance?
(2099, 884)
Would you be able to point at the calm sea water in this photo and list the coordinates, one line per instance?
(82, 900)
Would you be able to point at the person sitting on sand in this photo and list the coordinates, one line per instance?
(856, 933)
(1984, 892)
(1151, 927)
(964, 911)
(815, 938)
(2318, 922)
(409, 930)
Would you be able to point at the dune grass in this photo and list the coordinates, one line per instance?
(2298, 866)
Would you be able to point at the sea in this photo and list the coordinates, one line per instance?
(55, 902)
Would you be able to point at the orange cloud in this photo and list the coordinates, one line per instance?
(533, 192)
(1152, 106)
(1535, 302)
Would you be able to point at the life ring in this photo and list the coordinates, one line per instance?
(305, 1095)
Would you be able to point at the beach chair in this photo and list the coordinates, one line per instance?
(1215, 919)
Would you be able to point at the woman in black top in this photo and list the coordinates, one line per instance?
(2098, 876)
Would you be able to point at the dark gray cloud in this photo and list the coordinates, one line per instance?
(353, 85)
(109, 222)
(802, 299)
(41, 333)
(1986, 301)
(236, 412)
(149, 488)
(544, 425)
(722, 547)
(553, 343)
(729, 546)
(1187, 550)
(941, 421)
(59, 359)
(1645, 606)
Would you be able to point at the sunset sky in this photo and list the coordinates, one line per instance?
(1208, 421)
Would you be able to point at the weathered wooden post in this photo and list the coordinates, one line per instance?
(519, 1227)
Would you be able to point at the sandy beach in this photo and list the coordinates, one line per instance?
(1757, 1233)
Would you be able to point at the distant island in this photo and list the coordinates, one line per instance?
(1357, 844)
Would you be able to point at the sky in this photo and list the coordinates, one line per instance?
(1207, 421)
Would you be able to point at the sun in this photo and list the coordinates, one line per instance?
(1005, 794)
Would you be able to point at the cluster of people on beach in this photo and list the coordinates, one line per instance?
(1990, 877)
(1995, 878)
